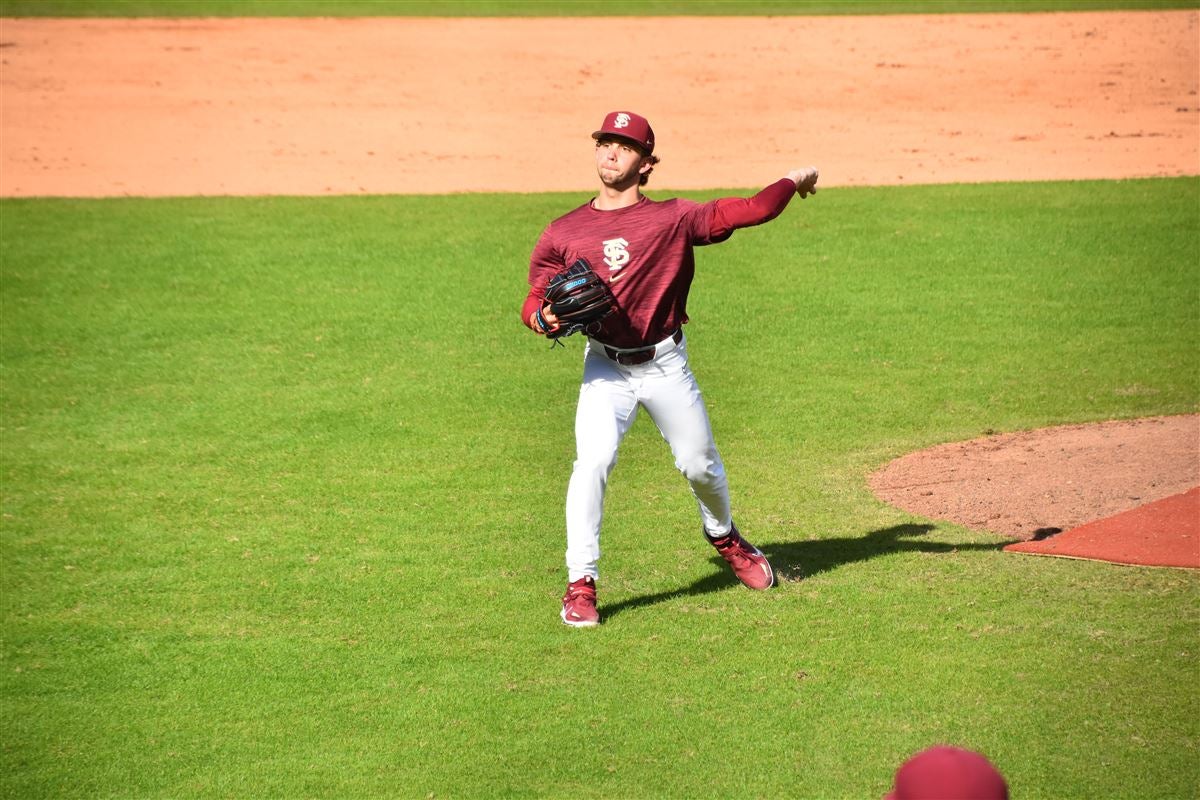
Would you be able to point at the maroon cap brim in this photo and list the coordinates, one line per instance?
(641, 146)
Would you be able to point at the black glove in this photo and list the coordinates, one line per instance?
(579, 298)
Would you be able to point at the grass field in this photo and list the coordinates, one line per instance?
(282, 486)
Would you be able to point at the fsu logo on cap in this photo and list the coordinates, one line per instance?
(629, 126)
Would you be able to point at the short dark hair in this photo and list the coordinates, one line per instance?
(645, 176)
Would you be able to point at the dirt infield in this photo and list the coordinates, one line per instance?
(101, 108)
(319, 106)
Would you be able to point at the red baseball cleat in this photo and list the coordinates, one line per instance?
(748, 562)
(579, 604)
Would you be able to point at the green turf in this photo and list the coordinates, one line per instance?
(281, 485)
(556, 8)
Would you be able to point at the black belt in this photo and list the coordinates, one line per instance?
(639, 356)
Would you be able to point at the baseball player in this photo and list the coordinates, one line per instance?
(946, 771)
(637, 356)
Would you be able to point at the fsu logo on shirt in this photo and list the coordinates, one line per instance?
(615, 255)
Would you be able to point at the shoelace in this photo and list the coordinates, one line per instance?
(735, 548)
(576, 592)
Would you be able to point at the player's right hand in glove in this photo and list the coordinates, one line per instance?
(577, 299)
(543, 321)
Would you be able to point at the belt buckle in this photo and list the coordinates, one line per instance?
(639, 357)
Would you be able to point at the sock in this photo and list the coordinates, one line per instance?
(712, 537)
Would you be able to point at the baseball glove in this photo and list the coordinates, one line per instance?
(579, 298)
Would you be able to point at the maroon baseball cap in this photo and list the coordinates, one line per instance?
(628, 125)
(948, 773)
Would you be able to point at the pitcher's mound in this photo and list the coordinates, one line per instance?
(1161, 534)
(1033, 485)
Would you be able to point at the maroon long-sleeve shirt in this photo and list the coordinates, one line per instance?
(644, 252)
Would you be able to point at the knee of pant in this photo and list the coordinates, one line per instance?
(597, 466)
(698, 468)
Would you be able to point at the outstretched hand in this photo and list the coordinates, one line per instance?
(805, 179)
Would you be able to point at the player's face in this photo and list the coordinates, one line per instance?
(618, 163)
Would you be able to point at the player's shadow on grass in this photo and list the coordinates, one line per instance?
(797, 560)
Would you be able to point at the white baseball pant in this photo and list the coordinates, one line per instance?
(608, 403)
